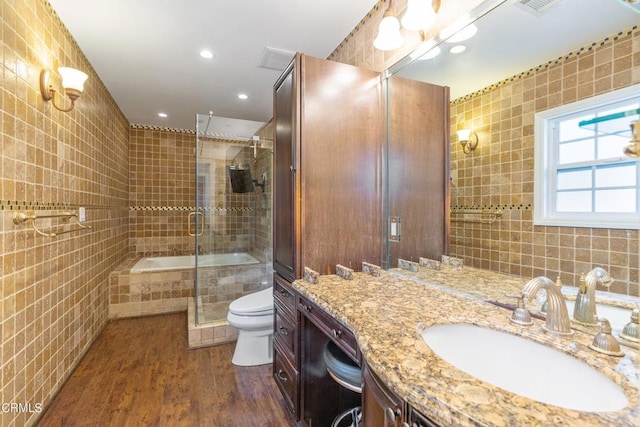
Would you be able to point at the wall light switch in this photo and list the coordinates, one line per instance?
(82, 214)
(394, 228)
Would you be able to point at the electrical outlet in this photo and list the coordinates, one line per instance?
(82, 214)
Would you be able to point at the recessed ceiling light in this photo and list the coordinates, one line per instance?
(163, 115)
(458, 49)
(205, 53)
(464, 34)
(430, 54)
(243, 96)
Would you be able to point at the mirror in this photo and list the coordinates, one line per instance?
(512, 38)
(516, 64)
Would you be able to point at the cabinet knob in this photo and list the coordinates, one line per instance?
(292, 168)
(336, 333)
(307, 307)
(281, 375)
(283, 331)
(391, 413)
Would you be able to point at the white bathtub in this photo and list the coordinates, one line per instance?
(162, 263)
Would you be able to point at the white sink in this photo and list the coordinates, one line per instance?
(525, 367)
(617, 316)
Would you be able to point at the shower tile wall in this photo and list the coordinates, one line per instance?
(162, 170)
(162, 191)
(53, 291)
(499, 173)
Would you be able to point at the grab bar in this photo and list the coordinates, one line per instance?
(21, 217)
(189, 230)
(487, 216)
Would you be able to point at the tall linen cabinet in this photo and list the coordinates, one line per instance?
(328, 149)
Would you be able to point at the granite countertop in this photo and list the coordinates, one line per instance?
(384, 311)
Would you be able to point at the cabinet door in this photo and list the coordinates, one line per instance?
(284, 115)
(380, 406)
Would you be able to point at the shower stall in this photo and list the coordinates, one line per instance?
(231, 221)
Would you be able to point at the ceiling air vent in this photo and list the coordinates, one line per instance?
(536, 7)
(275, 59)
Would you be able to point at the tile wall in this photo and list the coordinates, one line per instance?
(54, 291)
(499, 173)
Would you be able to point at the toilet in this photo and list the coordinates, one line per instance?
(252, 316)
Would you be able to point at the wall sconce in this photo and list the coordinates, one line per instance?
(72, 82)
(420, 16)
(468, 140)
(633, 148)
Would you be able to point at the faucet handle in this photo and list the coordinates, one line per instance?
(604, 342)
(520, 315)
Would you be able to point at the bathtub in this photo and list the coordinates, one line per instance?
(164, 263)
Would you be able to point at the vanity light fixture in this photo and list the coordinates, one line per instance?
(468, 140)
(389, 36)
(420, 16)
(72, 82)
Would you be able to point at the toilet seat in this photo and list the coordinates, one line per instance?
(255, 304)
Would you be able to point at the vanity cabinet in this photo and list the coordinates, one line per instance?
(286, 365)
(321, 397)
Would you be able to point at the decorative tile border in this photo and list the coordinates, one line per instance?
(16, 205)
(493, 207)
(190, 208)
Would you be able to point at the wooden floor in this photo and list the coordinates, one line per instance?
(140, 373)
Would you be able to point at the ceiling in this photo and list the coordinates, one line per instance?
(147, 53)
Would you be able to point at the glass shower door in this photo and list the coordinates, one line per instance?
(231, 221)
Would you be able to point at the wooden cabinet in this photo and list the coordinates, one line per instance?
(321, 397)
(329, 135)
(286, 365)
(380, 406)
(416, 419)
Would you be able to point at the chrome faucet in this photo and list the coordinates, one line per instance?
(585, 309)
(557, 315)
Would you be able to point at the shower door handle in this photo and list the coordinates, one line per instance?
(189, 230)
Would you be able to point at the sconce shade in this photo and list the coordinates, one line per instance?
(389, 36)
(419, 15)
(463, 135)
(468, 140)
(72, 82)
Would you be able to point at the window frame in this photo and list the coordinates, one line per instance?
(545, 168)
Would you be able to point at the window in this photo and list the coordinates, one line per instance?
(582, 178)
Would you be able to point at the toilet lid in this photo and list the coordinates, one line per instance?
(257, 302)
